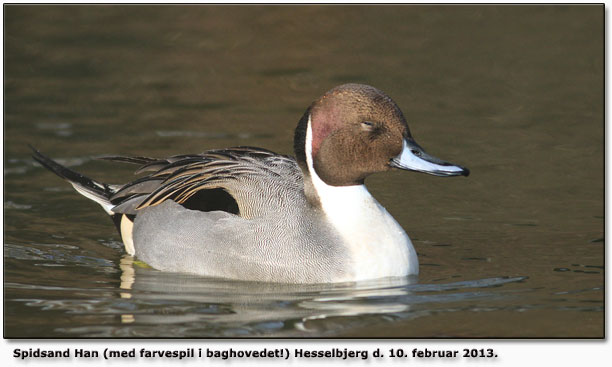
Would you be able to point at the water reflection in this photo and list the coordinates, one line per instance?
(232, 308)
(125, 298)
(233, 303)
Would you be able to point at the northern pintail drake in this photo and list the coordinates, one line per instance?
(250, 214)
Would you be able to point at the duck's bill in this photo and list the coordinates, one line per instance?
(414, 158)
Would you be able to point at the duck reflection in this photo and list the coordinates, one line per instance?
(170, 298)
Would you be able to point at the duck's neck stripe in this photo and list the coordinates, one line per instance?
(377, 245)
(335, 200)
(320, 186)
(308, 148)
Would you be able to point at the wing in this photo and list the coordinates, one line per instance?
(254, 179)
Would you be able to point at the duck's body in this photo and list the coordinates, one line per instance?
(250, 214)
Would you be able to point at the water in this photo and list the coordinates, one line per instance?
(513, 93)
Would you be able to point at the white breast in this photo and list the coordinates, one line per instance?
(378, 245)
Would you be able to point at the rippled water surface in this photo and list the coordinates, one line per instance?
(514, 93)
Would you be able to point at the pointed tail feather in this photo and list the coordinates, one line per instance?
(96, 191)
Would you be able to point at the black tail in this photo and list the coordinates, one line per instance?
(96, 191)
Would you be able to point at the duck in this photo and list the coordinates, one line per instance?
(250, 214)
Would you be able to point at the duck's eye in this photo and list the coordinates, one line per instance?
(367, 124)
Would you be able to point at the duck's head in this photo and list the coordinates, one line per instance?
(355, 130)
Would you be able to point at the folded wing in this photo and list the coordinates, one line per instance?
(243, 180)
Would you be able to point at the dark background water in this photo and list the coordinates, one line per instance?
(513, 92)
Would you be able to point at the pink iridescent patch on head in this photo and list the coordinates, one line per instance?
(325, 118)
(323, 122)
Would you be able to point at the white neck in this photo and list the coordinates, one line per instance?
(378, 244)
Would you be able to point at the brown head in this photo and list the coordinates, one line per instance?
(355, 130)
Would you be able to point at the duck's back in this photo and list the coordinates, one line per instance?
(256, 180)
